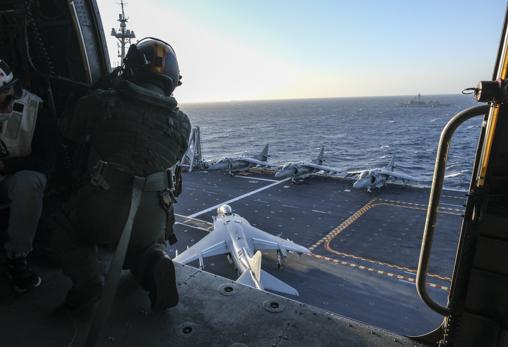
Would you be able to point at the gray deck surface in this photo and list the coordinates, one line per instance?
(364, 252)
(207, 315)
(365, 246)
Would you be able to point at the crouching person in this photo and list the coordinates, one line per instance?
(133, 130)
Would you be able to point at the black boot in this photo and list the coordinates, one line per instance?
(160, 281)
(23, 278)
(84, 295)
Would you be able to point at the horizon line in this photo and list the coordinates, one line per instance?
(312, 98)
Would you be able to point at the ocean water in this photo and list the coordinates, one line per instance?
(358, 133)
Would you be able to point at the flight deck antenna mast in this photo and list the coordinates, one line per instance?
(123, 34)
(193, 158)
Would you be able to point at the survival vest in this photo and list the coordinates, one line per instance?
(17, 128)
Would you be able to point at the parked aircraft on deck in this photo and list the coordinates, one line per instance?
(237, 164)
(377, 177)
(301, 170)
(233, 235)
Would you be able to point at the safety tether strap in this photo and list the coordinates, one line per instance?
(108, 296)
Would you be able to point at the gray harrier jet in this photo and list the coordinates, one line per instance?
(237, 164)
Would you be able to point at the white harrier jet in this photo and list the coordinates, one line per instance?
(233, 235)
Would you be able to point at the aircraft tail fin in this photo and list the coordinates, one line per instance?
(392, 163)
(320, 158)
(263, 156)
(247, 279)
(272, 283)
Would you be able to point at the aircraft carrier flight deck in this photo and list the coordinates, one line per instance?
(364, 249)
(364, 246)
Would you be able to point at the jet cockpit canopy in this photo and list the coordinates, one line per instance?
(224, 210)
(364, 174)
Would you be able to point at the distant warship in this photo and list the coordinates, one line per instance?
(418, 102)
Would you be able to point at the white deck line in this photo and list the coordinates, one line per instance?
(256, 178)
(454, 205)
(192, 226)
(318, 211)
(196, 219)
(238, 198)
(404, 281)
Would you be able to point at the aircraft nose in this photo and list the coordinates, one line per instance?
(359, 184)
(281, 173)
(216, 166)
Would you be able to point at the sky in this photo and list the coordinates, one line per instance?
(232, 50)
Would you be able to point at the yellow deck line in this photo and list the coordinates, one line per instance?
(380, 272)
(355, 216)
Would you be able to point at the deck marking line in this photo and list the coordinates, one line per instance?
(239, 197)
(318, 211)
(195, 219)
(454, 197)
(336, 231)
(455, 205)
(256, 178)
(399, 278)
(441, 209)
(208, 192)
(408, 282)
(394, 266)
(193, 226)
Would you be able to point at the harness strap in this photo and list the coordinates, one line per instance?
(113, 277)
(167, 198)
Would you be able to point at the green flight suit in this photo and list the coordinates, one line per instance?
(137, 131)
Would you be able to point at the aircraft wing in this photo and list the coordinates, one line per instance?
(212, 244)
(398, 175)
(265, 241)
(258, 162)
(324, 168)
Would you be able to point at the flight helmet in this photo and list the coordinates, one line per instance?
(152, 59)
(10, 87)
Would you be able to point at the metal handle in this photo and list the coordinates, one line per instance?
(435, 195)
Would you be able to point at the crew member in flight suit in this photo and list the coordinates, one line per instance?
(26, 158)
(132, 127)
